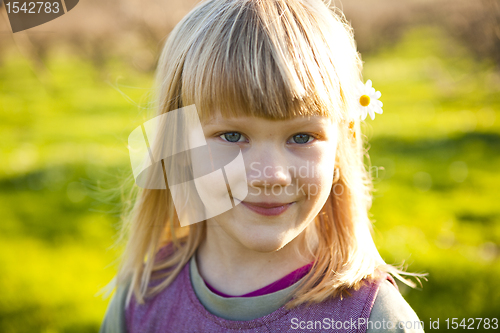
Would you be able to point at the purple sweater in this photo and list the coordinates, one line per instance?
(177, 309)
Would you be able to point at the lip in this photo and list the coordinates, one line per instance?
(267, 208)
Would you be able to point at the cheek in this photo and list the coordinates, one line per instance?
(316, 173)
(319, 184)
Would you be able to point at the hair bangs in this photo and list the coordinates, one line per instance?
(255, 58)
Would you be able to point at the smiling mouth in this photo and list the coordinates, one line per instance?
(267, 208)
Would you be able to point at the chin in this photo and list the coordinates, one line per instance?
(264, 244)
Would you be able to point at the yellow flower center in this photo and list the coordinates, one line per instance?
(364, 100)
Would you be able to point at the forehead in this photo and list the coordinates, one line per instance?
(252, 121)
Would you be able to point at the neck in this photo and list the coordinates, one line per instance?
(235, 270)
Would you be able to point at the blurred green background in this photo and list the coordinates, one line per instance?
(73, 89)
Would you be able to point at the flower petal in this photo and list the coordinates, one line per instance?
(363, 113)
(372, 114)
(369, 84)
(378, 94)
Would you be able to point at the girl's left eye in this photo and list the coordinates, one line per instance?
(302, 138)
(232, 137)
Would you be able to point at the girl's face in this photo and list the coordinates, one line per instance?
(289, 167)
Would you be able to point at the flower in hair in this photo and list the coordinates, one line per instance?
(367, 99)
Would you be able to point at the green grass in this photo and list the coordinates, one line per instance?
(61, 127)
(438, 141)
(435, 201)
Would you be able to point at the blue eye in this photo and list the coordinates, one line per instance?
(302, 138)
(232, 136)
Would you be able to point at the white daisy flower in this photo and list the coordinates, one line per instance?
(368, 100)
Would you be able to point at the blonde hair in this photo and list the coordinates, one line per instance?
(275, 59)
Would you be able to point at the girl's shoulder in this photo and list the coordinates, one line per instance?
(114, 320)
(391, 312)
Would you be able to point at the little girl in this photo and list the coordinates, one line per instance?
(278, 81)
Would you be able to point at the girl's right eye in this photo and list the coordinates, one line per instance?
(232, 137)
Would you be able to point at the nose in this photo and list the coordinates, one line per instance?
(268, 167)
